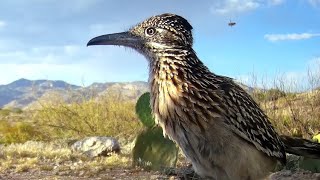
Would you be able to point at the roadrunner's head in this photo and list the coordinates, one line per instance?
(157, 33)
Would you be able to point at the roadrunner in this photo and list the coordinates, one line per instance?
(218, 126)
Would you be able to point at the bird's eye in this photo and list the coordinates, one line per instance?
(150, 31)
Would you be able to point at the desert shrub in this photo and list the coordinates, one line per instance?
(293, 107)
(18, 132)
(291, 113)
(5, 112)
(107, 116)
(268, 95)
(16, 110)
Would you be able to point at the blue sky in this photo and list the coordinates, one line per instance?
(46, 39)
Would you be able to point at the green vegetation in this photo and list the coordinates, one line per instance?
(7, 112)
(309, 164)
(152, 150)
(268, 95)
(143, 110)
(105, 116)
(295, 114)
(18, 132)
(316, 138)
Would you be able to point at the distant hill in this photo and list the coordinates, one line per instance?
(25, 93)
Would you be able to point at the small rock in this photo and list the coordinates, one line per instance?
(82, 173)
(63, 173)
(154, 177)
(97, 146)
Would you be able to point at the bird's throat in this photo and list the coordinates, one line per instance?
(168, 83)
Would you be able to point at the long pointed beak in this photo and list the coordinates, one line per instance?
(121, 39)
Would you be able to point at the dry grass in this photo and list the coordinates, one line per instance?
(55, 160)
(107, 116)
(57, 157)
(293, 105)
(295, 114)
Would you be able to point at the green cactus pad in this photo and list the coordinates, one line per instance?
(298, 162)
(154, 152)
(143, 110)
(309, 164)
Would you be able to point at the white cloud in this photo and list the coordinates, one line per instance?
(234, 6)
(72, 63)
(275, 2)
(2, 24)
(46, 54)
(307, 78)
(292, 36)
(314, 3)
(241, 6)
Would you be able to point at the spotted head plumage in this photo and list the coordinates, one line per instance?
(157, 32)
(165, 29)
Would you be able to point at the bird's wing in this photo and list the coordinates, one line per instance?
(246, 119)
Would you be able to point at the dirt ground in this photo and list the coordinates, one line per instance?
(138, 174)
(108, 174)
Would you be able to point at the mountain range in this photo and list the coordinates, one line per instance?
(24, 93)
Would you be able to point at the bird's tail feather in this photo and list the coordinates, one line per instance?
(301, 147)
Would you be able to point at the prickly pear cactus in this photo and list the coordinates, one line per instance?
(310, 164)
(143, 110)
(298, 162)
(154, 152)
